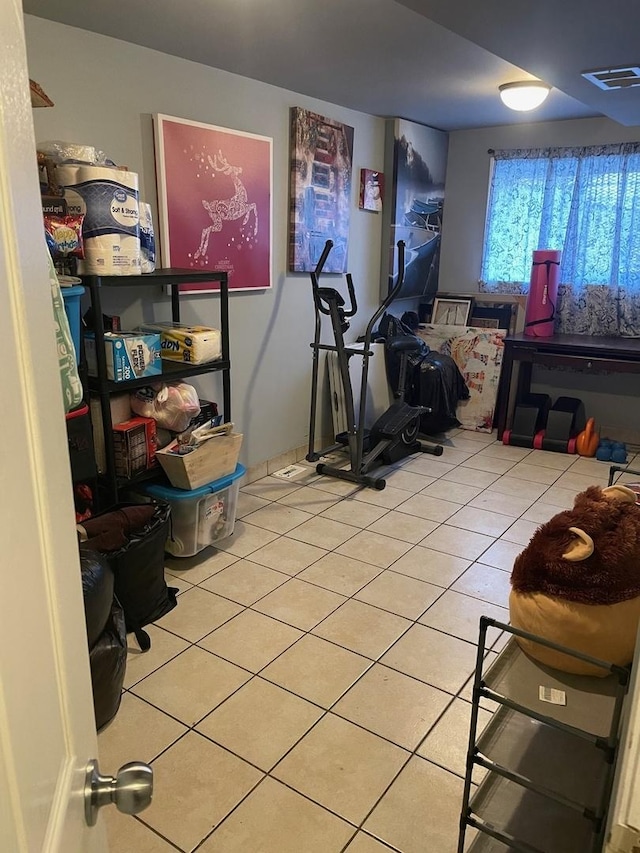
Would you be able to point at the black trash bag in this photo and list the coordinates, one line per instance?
(433, 379)
(106, 635)
(108, 662)
(138, 567)
(97, 591)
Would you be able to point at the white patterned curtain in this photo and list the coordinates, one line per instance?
(585, 202)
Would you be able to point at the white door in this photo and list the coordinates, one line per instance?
(623, 835)
(47, 733)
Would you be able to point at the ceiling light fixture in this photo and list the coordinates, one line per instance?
(525, 95)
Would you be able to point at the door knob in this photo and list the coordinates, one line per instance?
(130, 790)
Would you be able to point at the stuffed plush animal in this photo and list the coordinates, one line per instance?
(577, 582)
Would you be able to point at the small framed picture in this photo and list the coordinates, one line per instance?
(371, 190)
(492, 317)
(452, 312)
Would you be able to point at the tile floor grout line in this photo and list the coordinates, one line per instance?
(375, 660)
(360, 831)
(414, 754)
(193, 727)
(222, 820)
(268, 774)
(138, 819)
(260, 672)
(309, 632)
(433, 479)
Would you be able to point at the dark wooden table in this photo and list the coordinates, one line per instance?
(586, 353)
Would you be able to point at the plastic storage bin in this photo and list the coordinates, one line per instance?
(71, 296)
(80, 438)
(201, 517)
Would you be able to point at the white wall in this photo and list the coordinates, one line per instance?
(105, 92)
(613, 400)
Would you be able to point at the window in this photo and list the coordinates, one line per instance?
(584, 201)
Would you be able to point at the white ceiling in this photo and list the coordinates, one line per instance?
(438, 62)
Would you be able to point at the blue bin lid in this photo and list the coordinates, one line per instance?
(76, 290)
(168, 493)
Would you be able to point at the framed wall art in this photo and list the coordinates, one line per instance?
(451, 312)
(415, 165)
(371, 190)
(320, 190)
(489, 317)
(214, 201)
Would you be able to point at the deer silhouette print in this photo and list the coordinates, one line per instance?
(228, 209)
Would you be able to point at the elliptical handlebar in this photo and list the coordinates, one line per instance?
(319, 292)
(396, 290)
(328, 246)
(390, 296)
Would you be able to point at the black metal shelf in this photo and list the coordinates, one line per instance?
(590, 701)
(160, 277)
(550, 767)
(155, 473)
(172, 371)
(529, 818)
(567, 765)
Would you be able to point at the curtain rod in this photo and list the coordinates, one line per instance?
(491, 151)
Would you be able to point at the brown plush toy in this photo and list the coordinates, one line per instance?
(577, 582)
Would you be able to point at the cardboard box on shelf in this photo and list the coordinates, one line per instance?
(120, 411)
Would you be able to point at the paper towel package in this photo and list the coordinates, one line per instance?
(187, 344)
(128, 355)
(108, 198)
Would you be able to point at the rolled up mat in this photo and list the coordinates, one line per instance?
(543, 293)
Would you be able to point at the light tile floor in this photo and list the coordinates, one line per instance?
(310, 693)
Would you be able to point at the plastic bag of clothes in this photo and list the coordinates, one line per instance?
(433, 379)
(171, 406)
(106, 635)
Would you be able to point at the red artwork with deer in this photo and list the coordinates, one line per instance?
(214, 194)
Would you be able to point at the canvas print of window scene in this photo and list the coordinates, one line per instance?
(320, 195)
(416, 199)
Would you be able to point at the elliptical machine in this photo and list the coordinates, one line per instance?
(395, 434)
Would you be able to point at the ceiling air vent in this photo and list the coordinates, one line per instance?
(614, 78)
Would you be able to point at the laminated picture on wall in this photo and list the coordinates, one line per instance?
(214, 201)
(371, 190)
(320, 190)
(416, 200)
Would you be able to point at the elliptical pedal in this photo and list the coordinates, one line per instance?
(398, 416)
(343, 439)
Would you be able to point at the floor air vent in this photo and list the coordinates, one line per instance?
(614, 78)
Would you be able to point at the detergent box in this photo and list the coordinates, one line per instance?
(134, 442)
(129, 355)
